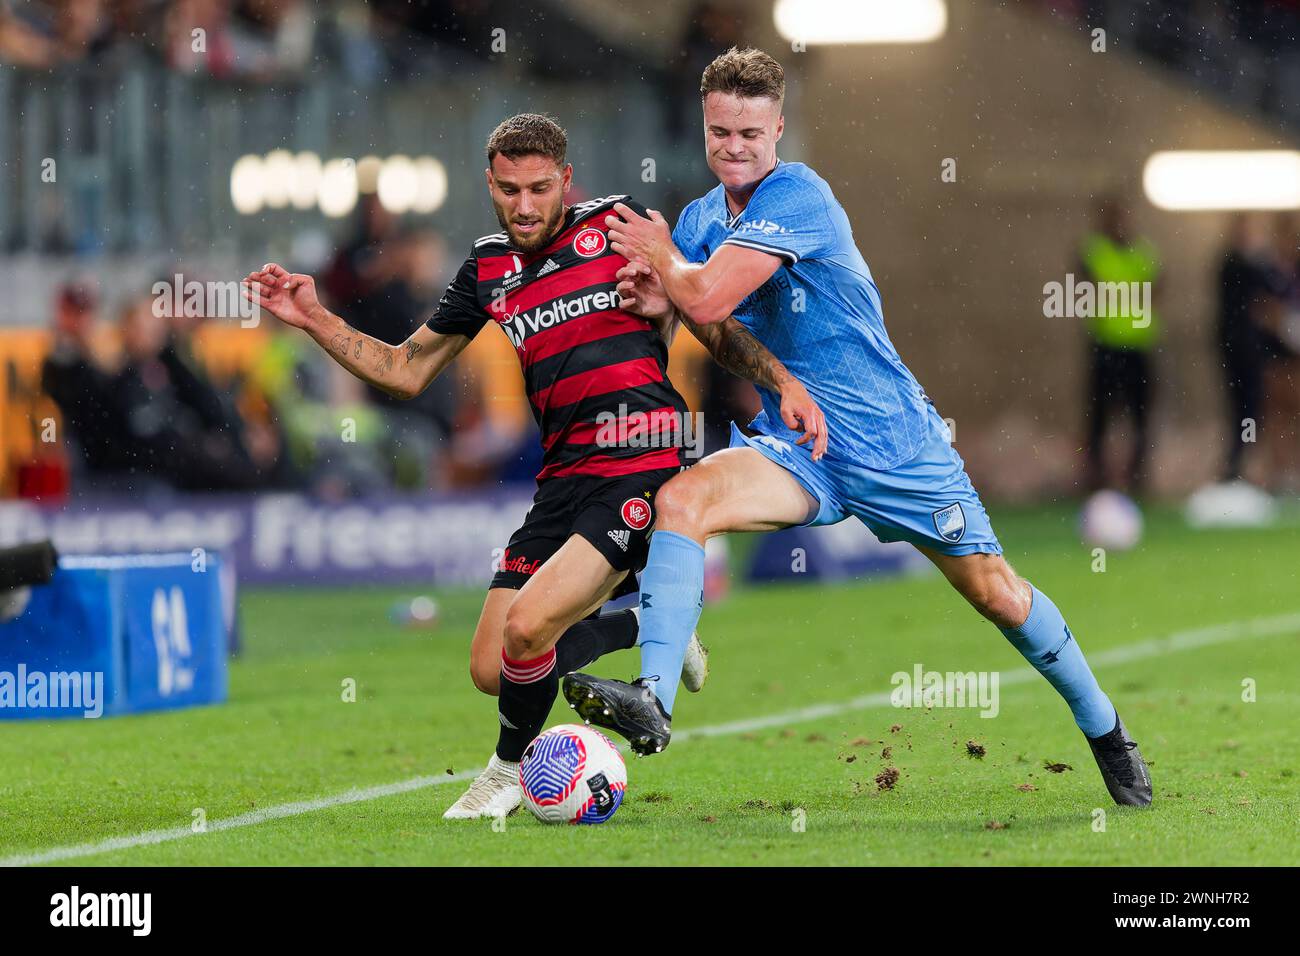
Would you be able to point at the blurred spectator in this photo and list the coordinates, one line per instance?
(179, 428)
(408, 277)
(46, 34)
(1281, 335)
(196, 37)
(1244, 286)
(273, 38)
(76, 380)
(156, 419)
(1120, 359)
(356, 270)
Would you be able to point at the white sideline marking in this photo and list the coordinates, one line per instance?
(1178, 641)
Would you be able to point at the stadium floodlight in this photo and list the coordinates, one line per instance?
(398, 184)
(337, 194)
(431, 191)
(247, 185)
(277, 171)
(860, 21)
(367, 173)
(306, 180)
(1188, 180)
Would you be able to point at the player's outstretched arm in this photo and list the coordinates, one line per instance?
(402, 371)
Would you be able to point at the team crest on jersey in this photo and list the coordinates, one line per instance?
(950, 522)
(636, 514)
(589, 243)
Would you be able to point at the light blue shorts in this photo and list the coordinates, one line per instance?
(928, 500)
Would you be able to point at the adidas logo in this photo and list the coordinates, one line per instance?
(621, 537)
(505, 722)
(550, 266)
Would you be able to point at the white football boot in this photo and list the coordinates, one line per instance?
(494, 793)
(695, 668)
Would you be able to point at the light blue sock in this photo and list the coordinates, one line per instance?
(1046, 642)
(672, 596)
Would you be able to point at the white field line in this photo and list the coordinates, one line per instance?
(1142, 650)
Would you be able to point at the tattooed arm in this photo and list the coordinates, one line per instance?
(402, 371)
(732, 346)
(735, 349)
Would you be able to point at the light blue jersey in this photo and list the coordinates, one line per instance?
(889, 461)
(819, 314)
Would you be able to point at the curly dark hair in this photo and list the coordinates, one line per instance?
(528, 134)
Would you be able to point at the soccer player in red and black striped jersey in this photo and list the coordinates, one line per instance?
(612, 426)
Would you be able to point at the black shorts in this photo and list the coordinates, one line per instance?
(616, 515)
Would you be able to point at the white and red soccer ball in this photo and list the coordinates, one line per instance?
(572, 774)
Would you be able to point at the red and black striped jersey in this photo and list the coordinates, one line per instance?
(596, 376)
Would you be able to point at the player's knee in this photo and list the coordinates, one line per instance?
(679, 505)
(1002, 598)
(527, 632)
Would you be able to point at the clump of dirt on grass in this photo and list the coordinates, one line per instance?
(996, 825)
(656, 796)
(757, 805)
(1056, 767)
(975, 749)
(709, 819)
(887, 779)
(850, 758)
(895, 728)
(886, 753)
(814, 739)
(861, 742)
(1026, 788)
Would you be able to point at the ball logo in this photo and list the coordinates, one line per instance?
(636, 513)
(589, 243)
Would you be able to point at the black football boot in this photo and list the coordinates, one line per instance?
(1122, 767)
(632, 709)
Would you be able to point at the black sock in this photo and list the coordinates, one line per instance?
(528, 690)
(595, 637)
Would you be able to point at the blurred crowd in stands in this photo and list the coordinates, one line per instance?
(142, 410)
(267, 40)
(1245, 50)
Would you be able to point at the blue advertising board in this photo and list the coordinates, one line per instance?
(117, 634)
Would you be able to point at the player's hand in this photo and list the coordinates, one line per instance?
(635, 237)
(289, 296)
(641, 292)
(801, 413)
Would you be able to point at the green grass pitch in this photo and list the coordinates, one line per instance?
(801, 790)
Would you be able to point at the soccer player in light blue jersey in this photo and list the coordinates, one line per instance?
(771, 246)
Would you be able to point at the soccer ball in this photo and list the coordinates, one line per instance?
(1110, 520)
(572, 774)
